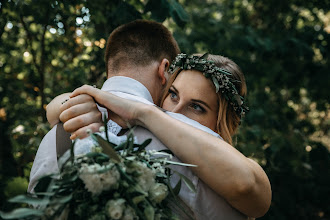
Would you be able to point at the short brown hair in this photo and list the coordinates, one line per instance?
(139, 43)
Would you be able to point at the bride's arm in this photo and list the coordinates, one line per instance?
(241, 181)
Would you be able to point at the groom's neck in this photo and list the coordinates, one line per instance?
(146, 76)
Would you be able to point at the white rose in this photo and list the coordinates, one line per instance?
(115, 208)
(129, 213)
(158, 192)
(110, 178)
(96, 182)
(146, 176)
(91, 179)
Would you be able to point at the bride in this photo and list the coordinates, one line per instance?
(208, 89)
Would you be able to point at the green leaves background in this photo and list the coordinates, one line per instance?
(51, 47)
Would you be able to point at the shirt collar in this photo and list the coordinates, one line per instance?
(126, 85)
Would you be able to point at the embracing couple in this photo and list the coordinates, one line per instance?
(200, 99)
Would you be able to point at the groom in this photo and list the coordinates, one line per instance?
(139, 50)
(137, 57)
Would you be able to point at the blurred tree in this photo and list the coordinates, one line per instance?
(283, 49)
(51, 47)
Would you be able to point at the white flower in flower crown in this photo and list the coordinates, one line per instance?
(158, 192)
(115, 208)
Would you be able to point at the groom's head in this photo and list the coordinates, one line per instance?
(143, 51)
(139, 43)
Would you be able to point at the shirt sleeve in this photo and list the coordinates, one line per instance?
(45, 161)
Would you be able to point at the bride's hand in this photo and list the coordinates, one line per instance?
(79, 114)
(129, 111)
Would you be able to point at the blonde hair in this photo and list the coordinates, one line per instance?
(228, 120)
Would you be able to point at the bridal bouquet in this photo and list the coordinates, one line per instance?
(122, 181)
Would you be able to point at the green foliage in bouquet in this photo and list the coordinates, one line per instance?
(112, 182)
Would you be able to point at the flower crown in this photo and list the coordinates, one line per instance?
(221, 78)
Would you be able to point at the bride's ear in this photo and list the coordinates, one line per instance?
(162, 71)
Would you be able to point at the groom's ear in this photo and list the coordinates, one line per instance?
(162, 71)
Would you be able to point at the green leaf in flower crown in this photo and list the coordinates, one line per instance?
(216, 84)
(21, 213)
(187, 181)
(107, 148)
(28, 200)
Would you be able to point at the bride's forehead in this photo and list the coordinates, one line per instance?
(189, 78)
(193, 84)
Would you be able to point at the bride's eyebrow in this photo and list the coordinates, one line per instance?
(173, 87)
(201, 102)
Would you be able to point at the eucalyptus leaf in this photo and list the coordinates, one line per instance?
(107, 148)
(180, 164)
(61, 200)
(144, 144)
(28, 200)
(167, 151)
(45, 193)
(187, 181)
(43, 183)
(21, 213)
(177, 188)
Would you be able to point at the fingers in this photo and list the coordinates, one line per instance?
(83, 98)
(82, 132)
(73, 124)
(85, 89)
(78, 110)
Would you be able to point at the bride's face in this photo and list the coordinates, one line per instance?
(193, 95)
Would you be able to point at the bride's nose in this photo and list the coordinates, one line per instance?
(178, 108)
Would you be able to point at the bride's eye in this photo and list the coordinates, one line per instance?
(172, 94)
(197, 108)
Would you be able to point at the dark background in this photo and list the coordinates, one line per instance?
(51, 47)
